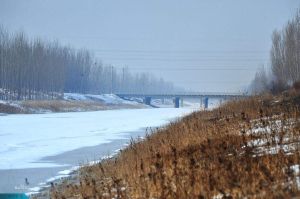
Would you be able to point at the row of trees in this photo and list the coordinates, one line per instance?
(285, 60)
(35, 69)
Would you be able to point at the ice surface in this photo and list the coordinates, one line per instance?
(25, 139)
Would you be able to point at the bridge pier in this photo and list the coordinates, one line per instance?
(206, 102)
(176, 102)
(147, 100)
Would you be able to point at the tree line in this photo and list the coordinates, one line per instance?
(285, 60)
(36, 69)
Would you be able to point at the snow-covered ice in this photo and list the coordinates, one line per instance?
(25, 139)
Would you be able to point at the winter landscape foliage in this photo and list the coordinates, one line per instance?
(246, 148)
(37, 69)
(285, 61)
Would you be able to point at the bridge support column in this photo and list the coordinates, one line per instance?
(147, 100)
(206, 102)
(181, 102)
(176, 101)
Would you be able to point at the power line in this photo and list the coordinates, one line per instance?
(212, 80)
(193, 69)
(112, 56)
(196, 66)
(178, 51)
(180, 60)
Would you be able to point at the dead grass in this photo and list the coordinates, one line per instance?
(244, 149)
(6, 108)
(42, 106)
(61, 105)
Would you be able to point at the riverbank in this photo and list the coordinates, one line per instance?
(70, 102)
(247, 148)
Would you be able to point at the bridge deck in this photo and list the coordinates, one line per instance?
(185, 95)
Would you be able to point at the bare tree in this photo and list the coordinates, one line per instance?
(34, 69)
(285, 58)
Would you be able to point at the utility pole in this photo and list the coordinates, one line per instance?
(112, 80)
(123, 70)
(123, 80)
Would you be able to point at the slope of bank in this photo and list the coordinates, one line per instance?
(71, 102)
(247, 148)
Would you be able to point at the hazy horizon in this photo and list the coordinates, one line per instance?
(203, 46)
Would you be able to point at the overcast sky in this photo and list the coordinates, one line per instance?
(212, 45)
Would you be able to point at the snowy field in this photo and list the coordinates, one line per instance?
(25, 139)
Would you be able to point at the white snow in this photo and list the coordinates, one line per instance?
(296, 168)
(56, 178)
(74, 96)
(11, 103)
(25, 139)
(35, 189)
(65, 172)
(104, 98)
(274, 135)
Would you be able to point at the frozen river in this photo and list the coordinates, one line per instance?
(38, 146)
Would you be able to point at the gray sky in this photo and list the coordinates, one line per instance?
(212, 45)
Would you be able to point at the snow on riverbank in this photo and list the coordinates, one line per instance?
(25, 139)
(70, 102)
(104, 98)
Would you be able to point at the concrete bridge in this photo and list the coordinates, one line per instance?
(178, 97)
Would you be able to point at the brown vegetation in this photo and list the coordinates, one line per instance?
(7, 108)
(244, 149)
(297, 86)
(43, 106)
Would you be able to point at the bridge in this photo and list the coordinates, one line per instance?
(178, 97)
